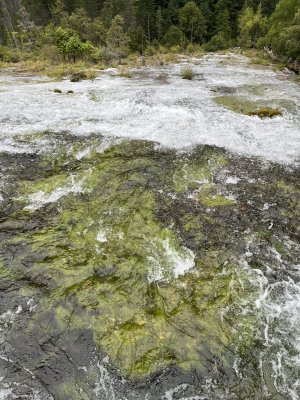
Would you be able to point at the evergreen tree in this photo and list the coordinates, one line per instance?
(146, 17)
(117, 38)
(192, 21)
(223, 25)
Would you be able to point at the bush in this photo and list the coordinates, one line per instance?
(150, 51)
(187, 73)
(8, 55)
(51, 53)
(124, 73)
(218, 42)
(175, 49)
(173, 37)
(193, 49)
(83, 75)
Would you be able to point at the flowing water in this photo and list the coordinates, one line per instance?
(149, 235)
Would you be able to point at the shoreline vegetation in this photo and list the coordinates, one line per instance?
(84, 70)
(60, 38)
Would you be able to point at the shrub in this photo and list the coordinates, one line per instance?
(51, 53)
(193, 49)
(173, 37)
(83, 75)
(125, 73)
(175, 49)
(150, 51)
(8, 55)
(218, 42)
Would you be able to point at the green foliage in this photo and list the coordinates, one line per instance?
(117, 38)
(173, 37)
(86, 29)
(192, 21)
(8, 55)
(252, 25)
(137, 40)
(218, 42)
(284, 32)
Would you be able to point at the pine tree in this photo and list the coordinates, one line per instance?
(192, 21)
(117, 39)
(223, 25)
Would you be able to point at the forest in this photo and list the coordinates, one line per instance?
(93, 30)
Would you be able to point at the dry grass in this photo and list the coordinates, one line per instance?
(125, 72)
(187, 73)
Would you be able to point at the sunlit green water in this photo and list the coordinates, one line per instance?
(146, 248)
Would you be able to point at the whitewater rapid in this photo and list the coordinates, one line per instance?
(157, 104)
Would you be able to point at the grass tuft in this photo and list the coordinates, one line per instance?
(187, 73)
(125, 73)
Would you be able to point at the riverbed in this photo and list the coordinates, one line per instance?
(149, 235)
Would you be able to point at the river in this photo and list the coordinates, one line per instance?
(149, 235)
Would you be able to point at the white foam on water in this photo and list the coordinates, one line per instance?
(180, 263)
(4, 393)
(232, 180)
(83, 153)
(104, 388)
(166, 262)
(169, 395)
(102, 236)
(10, 146)
(278, 312)
(40, 198)
(178, 114)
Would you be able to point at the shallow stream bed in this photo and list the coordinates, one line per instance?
(149, 236)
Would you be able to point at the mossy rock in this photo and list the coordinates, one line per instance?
(266, 113)
(57, 91)
(248, 107)
(83, 75)
(78, 76)
(70, 92)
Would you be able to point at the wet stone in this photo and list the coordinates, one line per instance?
(135, 268)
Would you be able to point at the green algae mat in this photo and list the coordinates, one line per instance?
(146, 248)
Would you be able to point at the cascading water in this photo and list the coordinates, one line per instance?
(149, 236)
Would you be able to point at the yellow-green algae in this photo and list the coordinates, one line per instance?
(190, 174)
(242, 105)
(208, 196)
(97, 255)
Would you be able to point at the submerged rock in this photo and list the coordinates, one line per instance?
(140, 254)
